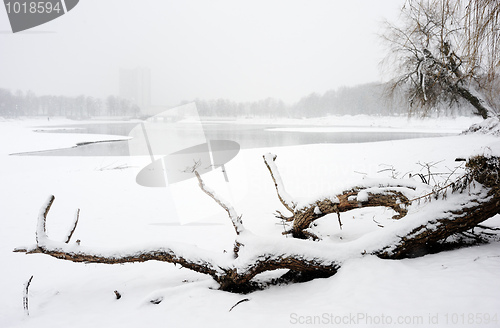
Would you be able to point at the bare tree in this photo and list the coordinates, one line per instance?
(419, 224)
(447, 51)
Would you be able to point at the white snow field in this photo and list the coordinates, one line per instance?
(458, 288)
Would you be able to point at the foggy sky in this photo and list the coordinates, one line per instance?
(241, 50)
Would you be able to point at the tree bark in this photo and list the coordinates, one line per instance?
(457, 84)
(477, 194)
(303, 216)
(479, 104)
(484, 173)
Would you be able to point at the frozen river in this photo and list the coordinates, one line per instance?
(246, 135)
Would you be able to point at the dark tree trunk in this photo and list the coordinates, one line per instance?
(477, 103)
(484, 171)
(478, 189)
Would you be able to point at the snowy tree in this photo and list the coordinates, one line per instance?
(447, 51)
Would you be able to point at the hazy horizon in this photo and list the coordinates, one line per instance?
(243, 51)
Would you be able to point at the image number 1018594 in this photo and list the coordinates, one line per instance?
(26, 14)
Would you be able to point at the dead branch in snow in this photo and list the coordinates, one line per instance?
(235, 219)
(231, 276)
(75, 222)
(278, 183)
(26, 296)
(303, 217)
(475, 198)
(238, 303)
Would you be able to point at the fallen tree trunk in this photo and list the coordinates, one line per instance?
(481, 184)
(231, 274)
(371, 195)
(457, 207)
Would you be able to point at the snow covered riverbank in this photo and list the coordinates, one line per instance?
(443, 289)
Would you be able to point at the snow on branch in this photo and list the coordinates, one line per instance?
(75, 222)
(235, 219)
(415, 228)
(371, 194)
(231, 274)
(188, 256)
(41, 232)
(283, 196)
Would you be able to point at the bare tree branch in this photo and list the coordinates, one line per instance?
(41, 231)
(358, 197)
(26, 296)
(283, 196)
(77, 253)
(235, 219)
(75, 222)
(475, 198)
(231, 274)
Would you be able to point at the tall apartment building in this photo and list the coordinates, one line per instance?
(135, 85)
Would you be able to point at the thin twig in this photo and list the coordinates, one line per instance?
(25, 298)
(117, 294)
(239, 302)
(283, 196)
(41, 231)
(377, 223)
(438, 190)
(452, 173)
(338, 215)
(486, 227)
(77, 216)
(235, 219)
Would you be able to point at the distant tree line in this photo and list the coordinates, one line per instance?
(28, 103)
(368, 99)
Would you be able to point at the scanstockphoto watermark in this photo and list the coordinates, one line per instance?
(362, 318)
(354, 319)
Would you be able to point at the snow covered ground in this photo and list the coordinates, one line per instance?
(450, 289)
(363, 122)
